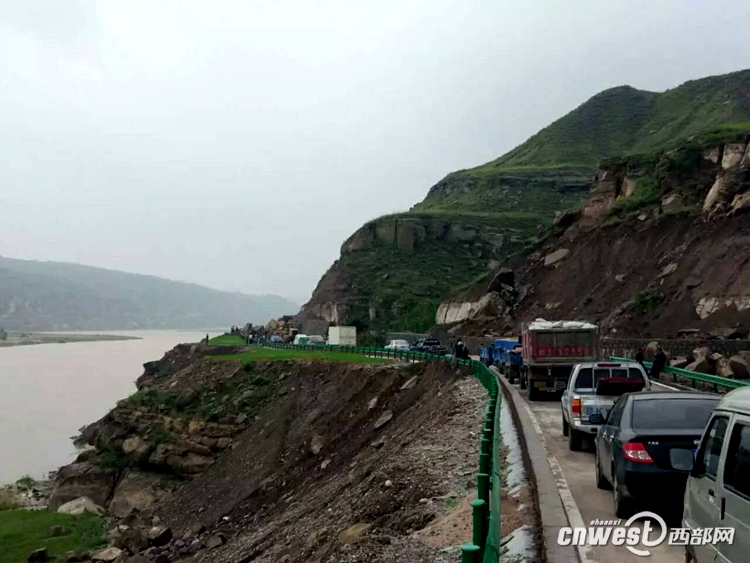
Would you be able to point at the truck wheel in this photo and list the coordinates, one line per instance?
(566, 428)
(575, 443)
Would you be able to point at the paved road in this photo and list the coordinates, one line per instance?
(578, 470)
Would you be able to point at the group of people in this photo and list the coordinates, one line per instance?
(459, 349)
(657, 366)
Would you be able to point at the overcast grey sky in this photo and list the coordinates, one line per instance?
(237, 144)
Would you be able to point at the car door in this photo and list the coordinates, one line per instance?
(608, 432)
(734, 495)
(701, 499)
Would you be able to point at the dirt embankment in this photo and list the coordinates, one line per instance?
(648, 280)
(288, 461)
(316, 475)
(658, 250)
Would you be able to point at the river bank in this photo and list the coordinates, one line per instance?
(50, 392)
(33, 338)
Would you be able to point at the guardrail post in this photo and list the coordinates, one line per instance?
(483, 487)
(479, 524)
(470, 554)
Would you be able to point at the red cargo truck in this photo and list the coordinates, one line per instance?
(551, 349)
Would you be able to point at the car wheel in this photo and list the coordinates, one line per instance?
(566, 428)
(601, 480)
(575, 443)
(622, 504)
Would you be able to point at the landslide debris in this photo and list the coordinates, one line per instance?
(282, 461)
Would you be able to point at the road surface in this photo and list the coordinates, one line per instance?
(592, 503)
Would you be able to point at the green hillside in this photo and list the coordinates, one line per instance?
(521, 190)
(61, 296)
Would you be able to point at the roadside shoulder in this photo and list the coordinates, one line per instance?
(552, 513)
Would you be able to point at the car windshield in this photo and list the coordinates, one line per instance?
(589, 377)
(672, 413)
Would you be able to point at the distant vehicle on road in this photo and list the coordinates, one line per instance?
(718, 488)
(316, 339)
(397, 345)
(551, 349)
(301, 339)
(342, 335)
(507, 356)
(593, 389)
(430, 345)
(276, 338)
(644, 450)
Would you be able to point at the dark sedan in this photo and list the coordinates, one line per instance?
(644, 450)
(430, 345)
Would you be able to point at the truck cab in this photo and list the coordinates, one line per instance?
(594, 388)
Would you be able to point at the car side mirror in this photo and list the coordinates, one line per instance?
(596, 418)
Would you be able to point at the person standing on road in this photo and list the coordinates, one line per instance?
(490, 354)
(639, 356)
(460, 349)
(660, 360)
(207, 340)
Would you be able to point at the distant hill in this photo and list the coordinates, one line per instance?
(617, 122)
(61, 296)
(394, 270)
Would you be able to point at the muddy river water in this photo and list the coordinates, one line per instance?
(48, 391)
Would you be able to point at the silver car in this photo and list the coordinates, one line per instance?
(593, 388)
(717, 494)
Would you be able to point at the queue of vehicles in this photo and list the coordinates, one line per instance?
(688, 452)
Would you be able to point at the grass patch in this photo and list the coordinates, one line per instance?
(646, 195)
(23, 531)
(257, 354)
(646, 300)
(227, 340)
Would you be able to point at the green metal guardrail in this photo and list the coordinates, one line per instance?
(485, 544)
(693, 376)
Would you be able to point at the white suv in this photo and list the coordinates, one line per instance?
(593, 388)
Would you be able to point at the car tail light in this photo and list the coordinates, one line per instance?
(575, 407)
(636, 452)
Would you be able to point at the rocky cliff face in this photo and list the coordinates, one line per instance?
(658, 249)
(187, 411)
(398, 267)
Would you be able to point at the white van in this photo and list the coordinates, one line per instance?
(718, 488)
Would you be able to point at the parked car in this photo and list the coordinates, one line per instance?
(593, 389)
(645, 448)
(276, 338)
(316, 339)
(718, 487)
(397, 345)
(430, 345)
